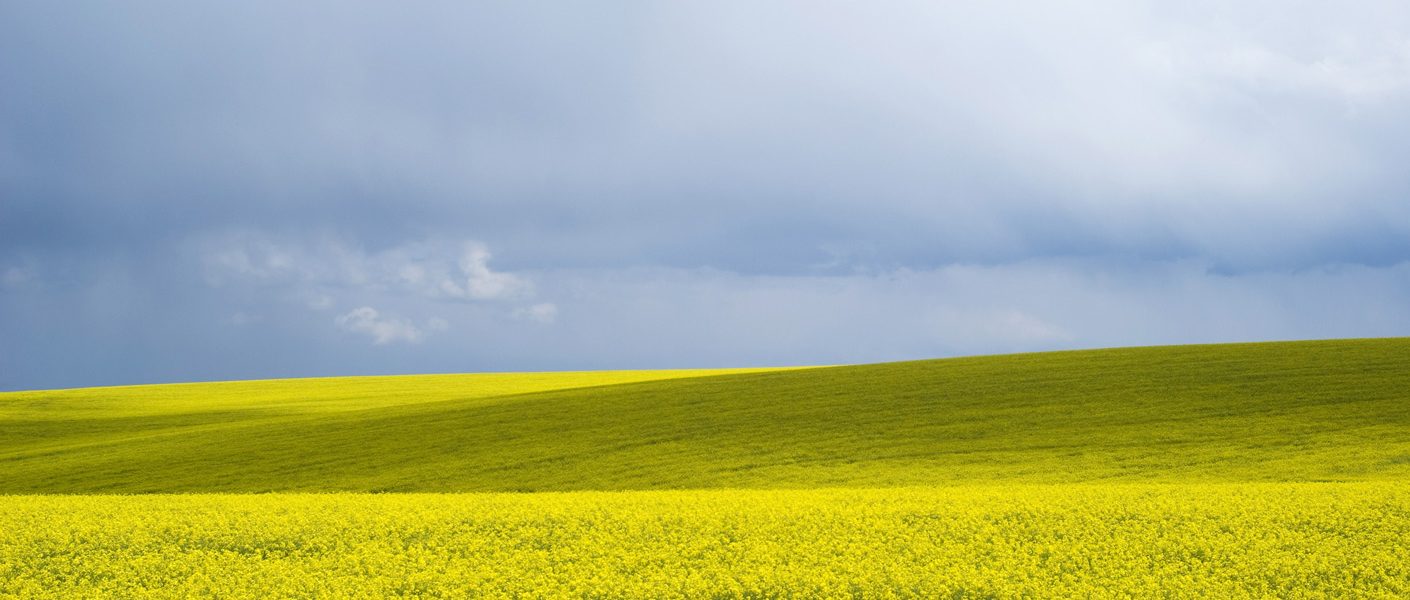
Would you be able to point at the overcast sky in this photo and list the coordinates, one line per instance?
(195, 191)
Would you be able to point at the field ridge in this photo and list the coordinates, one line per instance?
(1286, 411)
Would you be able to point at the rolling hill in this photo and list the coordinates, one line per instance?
(1291, 411)
(1228, 471)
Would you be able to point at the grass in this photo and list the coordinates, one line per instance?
(1240, 470)
(1305, 411)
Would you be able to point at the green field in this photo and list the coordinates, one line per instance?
(1252, 470)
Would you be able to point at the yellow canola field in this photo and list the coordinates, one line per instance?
(1285, 540)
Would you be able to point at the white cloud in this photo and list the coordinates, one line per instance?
(412, 274)
(482, 283)
(434, 269)
(383, 330)
(543, 312)
(247, 258)
(324, 272)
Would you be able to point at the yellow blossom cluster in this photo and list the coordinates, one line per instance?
(1253, 540)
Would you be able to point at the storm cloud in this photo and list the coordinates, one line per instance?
(265, 189)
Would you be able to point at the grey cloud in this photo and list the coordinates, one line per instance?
(650, 133)
(676, 317)
(666, 317)
(688, 184)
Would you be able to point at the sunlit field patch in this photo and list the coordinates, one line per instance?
(1145, 540)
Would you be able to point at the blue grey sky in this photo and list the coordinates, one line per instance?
(196, 191)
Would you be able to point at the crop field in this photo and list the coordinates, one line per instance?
(1227, 541)
(1241, 470)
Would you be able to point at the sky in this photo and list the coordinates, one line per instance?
(259, 189)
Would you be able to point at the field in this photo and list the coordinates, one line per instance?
(1242, 470)
(1260, 540)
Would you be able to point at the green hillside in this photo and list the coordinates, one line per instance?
(1296, 411)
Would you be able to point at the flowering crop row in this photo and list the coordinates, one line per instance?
(1282, 540)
